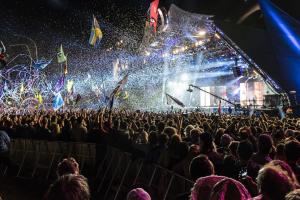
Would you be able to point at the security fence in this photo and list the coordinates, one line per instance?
(112, 173)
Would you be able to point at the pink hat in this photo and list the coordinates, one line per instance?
(229, 189)
(203, 187)
(138, 194)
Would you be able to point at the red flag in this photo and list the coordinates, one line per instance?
(154, 14)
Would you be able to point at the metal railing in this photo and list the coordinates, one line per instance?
(111, 178)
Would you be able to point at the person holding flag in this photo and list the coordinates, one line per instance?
(96, 33)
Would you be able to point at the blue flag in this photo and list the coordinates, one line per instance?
(58, 102)
(41, 64)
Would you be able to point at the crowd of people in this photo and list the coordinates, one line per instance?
(228, 156)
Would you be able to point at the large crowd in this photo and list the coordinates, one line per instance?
(228, 156)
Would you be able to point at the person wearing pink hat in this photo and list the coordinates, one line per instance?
(138, 194)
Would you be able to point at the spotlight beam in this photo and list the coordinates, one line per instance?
(216, 96)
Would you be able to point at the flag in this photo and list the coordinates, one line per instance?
(154, 15)
(59, 84)
(125, 95)
(175, 100)
(39, 97)
(58, 101)
(70, 84)
(41, 64)
(61, 57)
(220, 108)
(122, 95)
(119, 87)
(96, 33)
(22, 88)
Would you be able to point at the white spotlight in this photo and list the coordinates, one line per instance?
(184, 77)
(202, 33)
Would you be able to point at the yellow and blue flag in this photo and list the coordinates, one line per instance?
(96, 33)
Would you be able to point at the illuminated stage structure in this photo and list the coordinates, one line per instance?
(190, 49)
(184, 49)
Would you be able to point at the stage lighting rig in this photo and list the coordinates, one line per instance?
(214, 95)
(190, 89)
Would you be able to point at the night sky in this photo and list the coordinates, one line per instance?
(71, 19)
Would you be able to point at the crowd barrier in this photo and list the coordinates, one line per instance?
(119, 172)
(40, 158)
(111, 177)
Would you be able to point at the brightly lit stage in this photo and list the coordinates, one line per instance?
(187, 49)
(190, 49)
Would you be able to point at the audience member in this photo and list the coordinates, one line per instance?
(69, 187)
(292, 155)
(293, 195)
(194, 145)
(228, 189)
(201, 166)
(138, 194)
(68, 166)
(203, 187)
(273, 184)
